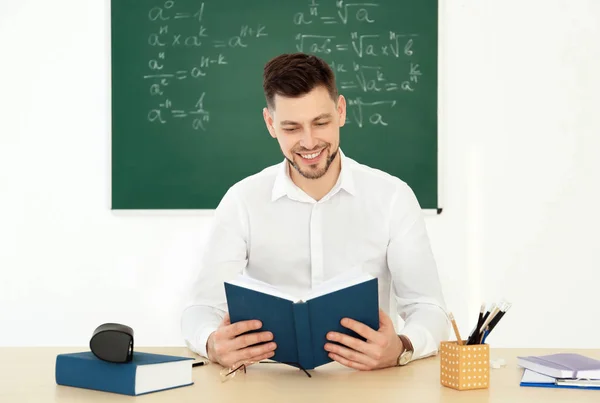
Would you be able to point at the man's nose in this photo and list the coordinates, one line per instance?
(308, 141)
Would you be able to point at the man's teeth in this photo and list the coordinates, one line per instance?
(310, 156)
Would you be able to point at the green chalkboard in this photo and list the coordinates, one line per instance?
(187, 92)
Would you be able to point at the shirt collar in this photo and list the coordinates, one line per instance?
(284, 186)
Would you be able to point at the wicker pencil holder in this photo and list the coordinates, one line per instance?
(464, 367)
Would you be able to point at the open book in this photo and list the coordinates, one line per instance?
(300, 323)
(531, 378)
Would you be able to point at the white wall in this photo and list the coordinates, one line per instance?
(520, 133)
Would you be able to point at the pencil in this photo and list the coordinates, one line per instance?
(487, 321)
(487, 313)
(480, 318)
(458, 338)
(475, 332)
(497, 318)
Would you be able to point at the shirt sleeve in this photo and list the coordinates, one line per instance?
(415, 279)
(224, 257)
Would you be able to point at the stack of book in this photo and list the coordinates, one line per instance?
(560, 371)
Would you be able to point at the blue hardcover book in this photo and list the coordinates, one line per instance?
(300, 324)
(145, 373)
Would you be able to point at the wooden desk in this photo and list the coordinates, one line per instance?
(27, 375)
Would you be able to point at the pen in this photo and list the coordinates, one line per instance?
(458, 338)
(198, 363)
(485, 335)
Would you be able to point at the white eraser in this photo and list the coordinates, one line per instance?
(499, 363)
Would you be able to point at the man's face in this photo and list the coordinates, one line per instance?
(308, 130)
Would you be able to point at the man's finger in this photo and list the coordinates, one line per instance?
(347, 363)
(362, 329)
(351, 355)
(352, 342)
(256, 359)
(249, 353)
(245, 326)
(246, 340)
(226, 320)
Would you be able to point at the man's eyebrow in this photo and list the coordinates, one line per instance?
(321, 116)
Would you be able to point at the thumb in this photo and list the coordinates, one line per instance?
(384, 320)
(226, 320)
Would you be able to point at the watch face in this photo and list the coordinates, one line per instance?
(405, 357)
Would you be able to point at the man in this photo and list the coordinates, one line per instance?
(310, 218)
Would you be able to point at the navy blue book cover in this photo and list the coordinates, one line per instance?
(85, 370)
(300, 328)
(276, 315)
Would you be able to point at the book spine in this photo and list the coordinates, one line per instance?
(96, 375)
(303, 335)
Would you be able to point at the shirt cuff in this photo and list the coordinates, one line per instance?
(198, 345)
(421, 339)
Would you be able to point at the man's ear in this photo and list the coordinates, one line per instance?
(269, 122)
(341, 109)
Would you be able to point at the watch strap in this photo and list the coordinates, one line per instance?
(407, 351)
(406, 343)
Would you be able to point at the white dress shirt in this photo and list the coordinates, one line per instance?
(268, 228)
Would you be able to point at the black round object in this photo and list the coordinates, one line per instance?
(113, 342)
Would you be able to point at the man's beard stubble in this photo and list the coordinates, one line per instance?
(314, 174)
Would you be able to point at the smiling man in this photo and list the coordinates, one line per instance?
(310, 218)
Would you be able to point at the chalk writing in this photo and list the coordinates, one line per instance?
(314, 43)
(162, 72)
(361, 15)
(365, 108)
(350, 36)
(343, 33)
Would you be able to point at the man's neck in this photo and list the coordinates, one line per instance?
(318, 188)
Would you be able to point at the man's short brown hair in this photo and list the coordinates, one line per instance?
(296, 74)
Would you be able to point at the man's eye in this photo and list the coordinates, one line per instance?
(322, 123)
(289, 130)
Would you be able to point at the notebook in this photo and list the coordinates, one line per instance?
(563, 365)
(300, 323)
(531, 378)
(145, 373)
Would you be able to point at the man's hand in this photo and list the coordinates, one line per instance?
(381, 350)
(229, 347)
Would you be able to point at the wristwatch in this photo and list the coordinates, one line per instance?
(406, 355)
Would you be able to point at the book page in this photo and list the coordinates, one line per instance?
(587, 383)
(338, 283)
(530, 376)
(260, 286)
